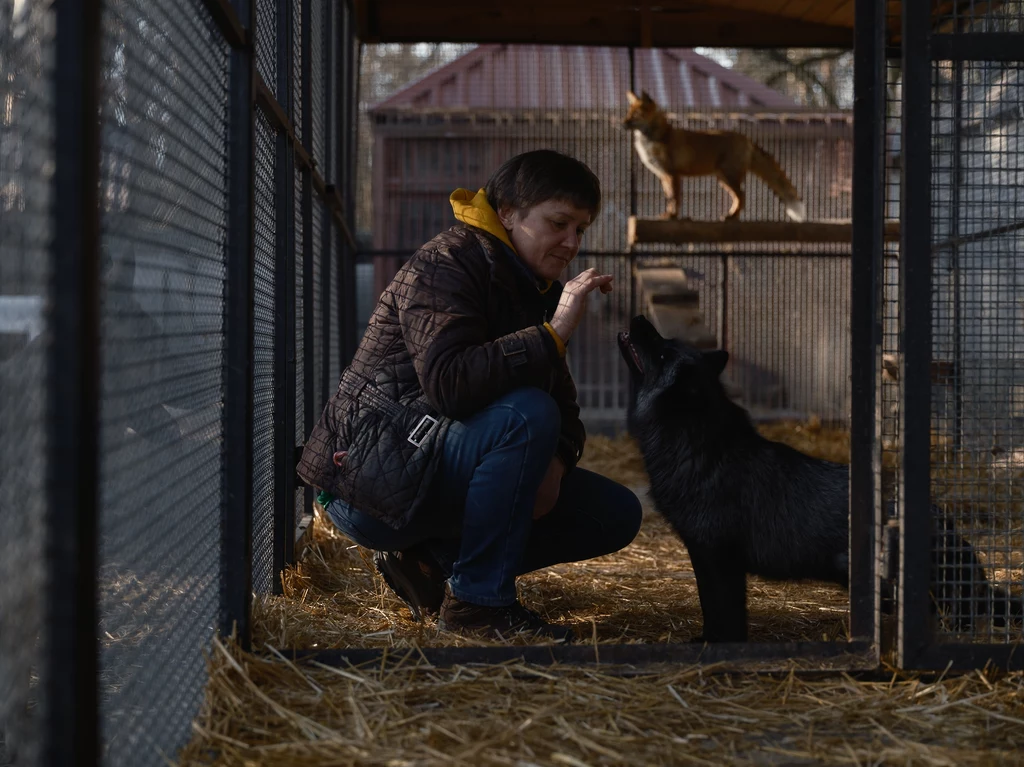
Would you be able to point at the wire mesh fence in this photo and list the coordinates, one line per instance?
(26, 150)
(971, 567)
(315, 306)
(303, 419)
(438, 117)
(164, 220)
(264, 372)
(267, 42)
(179, 259)
(977, 343)
(435, 118)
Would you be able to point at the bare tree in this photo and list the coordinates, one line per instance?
(813, 77)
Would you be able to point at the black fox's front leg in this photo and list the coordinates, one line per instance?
(722, 587)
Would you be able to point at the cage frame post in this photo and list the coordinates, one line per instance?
(306, 119)
(70, 683)
(236, 519)
(326, 267)
(918, 648)
(915, 331)
(865, 330)
(285, 389)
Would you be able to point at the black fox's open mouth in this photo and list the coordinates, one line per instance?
(625, 345)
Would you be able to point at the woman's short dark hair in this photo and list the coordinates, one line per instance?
(531, 178)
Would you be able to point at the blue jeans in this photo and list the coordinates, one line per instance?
(479, 522)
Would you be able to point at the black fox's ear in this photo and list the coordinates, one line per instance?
(716, 360)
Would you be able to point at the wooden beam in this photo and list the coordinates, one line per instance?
(672, 23)
(650, 231)
(646, 35)
(367, 19)
(534, 22)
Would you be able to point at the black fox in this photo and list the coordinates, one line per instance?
(744, 504)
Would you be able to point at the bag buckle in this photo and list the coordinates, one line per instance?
(415, 437)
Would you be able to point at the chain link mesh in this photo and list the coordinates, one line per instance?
(301, 427)
(318, 51)
(977, 341)
(266, 43)
(164, 208)
(163, 194)
(336, 134)
(334, 311)
(263, 361)
(888, 475)
(317, 341)
(297, 54)
(26, 225)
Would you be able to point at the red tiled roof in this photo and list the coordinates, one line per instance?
(582, 77)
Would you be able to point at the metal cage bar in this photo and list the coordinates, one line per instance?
(915, 332)
(284, 436)
(866, 258)
(70, 675)
(305, 86)
(328, 333)
(236, 541)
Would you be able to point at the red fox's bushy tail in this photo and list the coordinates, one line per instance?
(764, 165)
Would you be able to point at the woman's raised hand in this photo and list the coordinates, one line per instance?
(574, 300)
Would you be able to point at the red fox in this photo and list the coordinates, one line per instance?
(671, 153)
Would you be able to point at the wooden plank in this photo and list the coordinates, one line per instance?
(533, 22)
(843, 14)
(666, 286)
(822, 10)
(672, 305)
(619, 659)
(366, 20)
(650, 231)
(682, 323)
(672, 23)
(941, 371)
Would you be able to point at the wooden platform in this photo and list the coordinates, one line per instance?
(942, 371)
(655, 231)
(672, 306)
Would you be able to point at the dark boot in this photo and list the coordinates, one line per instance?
(415, 578)
(502, 622)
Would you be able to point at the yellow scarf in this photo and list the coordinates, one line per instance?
(475, 210)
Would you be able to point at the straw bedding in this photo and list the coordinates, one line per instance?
(645, 593)
(268, 711)
(264, 710)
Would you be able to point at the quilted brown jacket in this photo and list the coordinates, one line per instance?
(459, 326)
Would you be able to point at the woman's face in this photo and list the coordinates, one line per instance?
(546, 236)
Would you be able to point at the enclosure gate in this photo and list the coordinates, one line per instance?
(950, 427)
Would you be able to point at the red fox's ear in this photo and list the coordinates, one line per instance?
(631, 97)
(645, 97)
